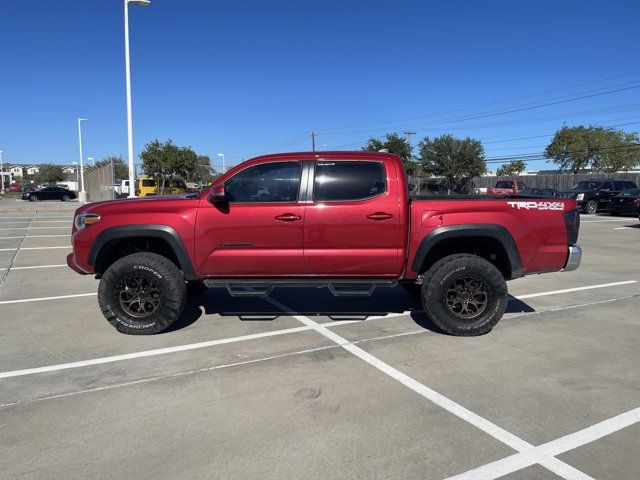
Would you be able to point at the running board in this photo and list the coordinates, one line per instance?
(341, 287)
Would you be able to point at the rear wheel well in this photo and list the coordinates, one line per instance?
(489, 248)
(121, 247)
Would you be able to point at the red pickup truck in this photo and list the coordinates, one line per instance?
(506, 188)
(342, 220)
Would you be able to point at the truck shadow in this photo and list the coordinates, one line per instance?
(314, 303)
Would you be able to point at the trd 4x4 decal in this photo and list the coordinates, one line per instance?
(537, 205)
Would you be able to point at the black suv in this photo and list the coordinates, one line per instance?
(593, 195)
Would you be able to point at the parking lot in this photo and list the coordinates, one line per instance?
(304, 385)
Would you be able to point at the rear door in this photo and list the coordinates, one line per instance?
(352, 223)
(258, 232)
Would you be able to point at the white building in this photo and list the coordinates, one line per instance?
(16, 170)
(32, 169)
(69, 170)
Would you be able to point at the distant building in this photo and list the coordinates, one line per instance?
(69, 169)
(16, 170)
(32, 169)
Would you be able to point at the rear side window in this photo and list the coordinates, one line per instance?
(520, 185)
(348, 181)
(631, 192)
(265, 183)
(504, 184)
(148, 183)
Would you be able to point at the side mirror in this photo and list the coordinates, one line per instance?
(217, 194)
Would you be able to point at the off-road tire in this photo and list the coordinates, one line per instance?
(442, 276)
(154, 268)
(590, 207)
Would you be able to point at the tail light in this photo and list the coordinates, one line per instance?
(572, 224)
(636, 201)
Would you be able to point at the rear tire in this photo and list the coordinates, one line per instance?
(464, 295)
(142, 294)
(33, 198)
(66, 198)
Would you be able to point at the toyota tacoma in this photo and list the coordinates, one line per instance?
(342, 220)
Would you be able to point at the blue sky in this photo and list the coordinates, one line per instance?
(246, 78)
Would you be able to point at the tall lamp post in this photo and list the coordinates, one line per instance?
(76, 169)
(222, 155)
(1, 174)
(132, 171)
(82, 196)
(92, 160)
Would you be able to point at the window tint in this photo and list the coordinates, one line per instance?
(148, 183)
(504, 184)
(344, 181)
(520, 185)
(607, 186)
(586, 186)
(268, 182)
(631, 192)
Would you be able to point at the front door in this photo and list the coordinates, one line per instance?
(353, 224)
(257, 231)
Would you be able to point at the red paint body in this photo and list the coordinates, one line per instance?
(377, 237)
(505, 192)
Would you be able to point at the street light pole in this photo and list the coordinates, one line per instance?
(222, 155)
(82, 196)
(93, 161)
(132, 171)
(1, 174)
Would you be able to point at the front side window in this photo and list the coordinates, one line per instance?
(268, 182)
(348, 181)
(520, 185)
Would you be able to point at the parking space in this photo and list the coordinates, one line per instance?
(305, 385)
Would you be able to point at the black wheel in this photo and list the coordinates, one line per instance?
(33, 198)
(195, 288)
(66, 198)
(142, 294)
(412, 288)
(464, 295)
(591, 207)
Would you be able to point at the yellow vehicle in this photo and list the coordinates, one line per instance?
(148, 186)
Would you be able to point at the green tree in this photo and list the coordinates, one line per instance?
(600, 148)
(120, 168)
(455, 159)
(398, 145)
(165, 160)
(49, 174)
(511, 169)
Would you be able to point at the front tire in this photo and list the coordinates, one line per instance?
(464, 295)
(591, 207)
(142, 294)
(66, 198)
(33, 198)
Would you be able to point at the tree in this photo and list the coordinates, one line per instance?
(600, 148)
(120, 168)
(397, 145)
(166, 160)
(49, 173)
(453, 158)
(511, 169)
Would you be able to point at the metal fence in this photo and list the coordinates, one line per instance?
(99, 183)
(558, 181)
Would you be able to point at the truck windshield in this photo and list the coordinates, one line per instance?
(585, 186)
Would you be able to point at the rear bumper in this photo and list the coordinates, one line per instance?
(573, 258)
(71, 262)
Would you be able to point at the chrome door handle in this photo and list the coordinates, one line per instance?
(379, 216)
(288, 217)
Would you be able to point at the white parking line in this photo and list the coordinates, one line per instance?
(37, 266)
(490, 428)
(32, 248)
(626, 228)
(42, 299)
(524, 459)
(33, 228)
(36, 236)
(605, 220)
(576, 289)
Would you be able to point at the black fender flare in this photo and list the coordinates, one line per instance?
(145, 230)
(497, 232)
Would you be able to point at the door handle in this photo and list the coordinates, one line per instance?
(379, 216)
(288, 217)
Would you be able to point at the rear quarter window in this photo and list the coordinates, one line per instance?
(348, 181)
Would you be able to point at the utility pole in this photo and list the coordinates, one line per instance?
(313, 141)
(408, 133)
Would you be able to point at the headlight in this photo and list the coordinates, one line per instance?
(580, 196)
(84, 220)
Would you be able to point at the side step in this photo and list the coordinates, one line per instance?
(340, 287)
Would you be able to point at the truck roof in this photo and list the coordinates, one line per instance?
(352, 154)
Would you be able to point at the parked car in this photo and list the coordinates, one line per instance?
(505, 188)
(594, 195)
(626, 202)
(343, 221)
(541, 192)
(30, 187)
(49, 193)
(14, 187)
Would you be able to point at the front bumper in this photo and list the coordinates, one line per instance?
(573, 258)
(71, 262)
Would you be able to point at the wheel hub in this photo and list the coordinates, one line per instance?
(467, 297)
(139, 297)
